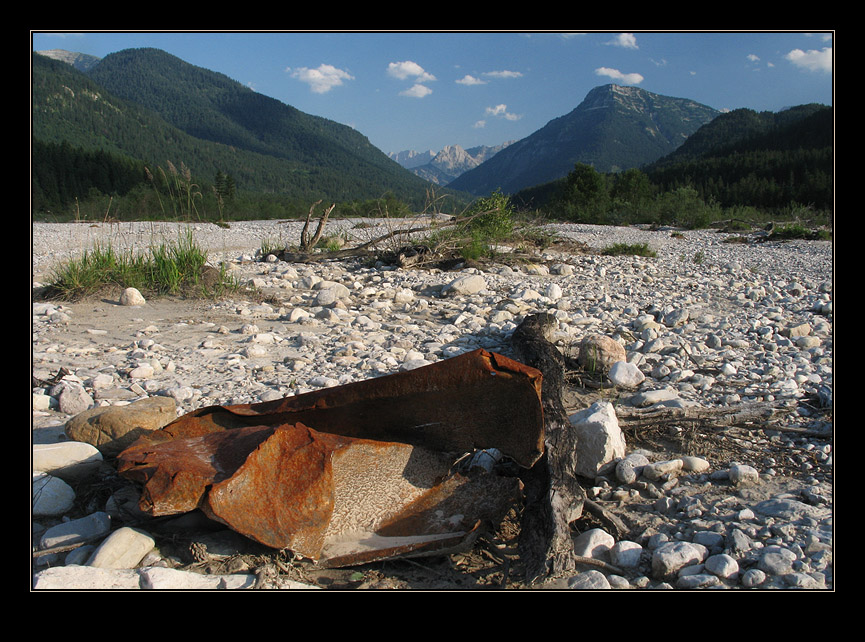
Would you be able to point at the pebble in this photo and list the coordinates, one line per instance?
(746, 324)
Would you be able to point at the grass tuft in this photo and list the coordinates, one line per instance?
(166, 269)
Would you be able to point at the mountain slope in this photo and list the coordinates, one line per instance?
(614, 128)
(453, 161)
(152, 106)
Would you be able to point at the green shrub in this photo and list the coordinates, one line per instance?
(490, 218)
(634, 249)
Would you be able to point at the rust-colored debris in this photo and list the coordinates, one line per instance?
(354, 473)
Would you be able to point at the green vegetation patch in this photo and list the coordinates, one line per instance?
(178, 268)
(632, 249)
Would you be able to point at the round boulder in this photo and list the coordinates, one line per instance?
(599, 352)
(112, 429)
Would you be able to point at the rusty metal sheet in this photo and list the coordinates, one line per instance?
(476, 400)
(371, 478)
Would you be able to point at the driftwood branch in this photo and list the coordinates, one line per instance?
(755, 415)
(306, 243)
(554, 497)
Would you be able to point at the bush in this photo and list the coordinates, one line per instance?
(635, 249)
(491, 218)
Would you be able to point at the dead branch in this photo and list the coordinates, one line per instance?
(554, 497)
(756, 415)
(306, 244)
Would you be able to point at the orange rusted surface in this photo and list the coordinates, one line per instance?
(356, 472)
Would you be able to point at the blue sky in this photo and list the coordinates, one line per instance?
(427, 90)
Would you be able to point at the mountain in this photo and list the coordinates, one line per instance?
(763, 159)
(443, 167)
(411, 159)
(82, 62)
(454, 161)
(151, 106)
(615, 128)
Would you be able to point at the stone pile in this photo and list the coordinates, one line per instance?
(705, 324)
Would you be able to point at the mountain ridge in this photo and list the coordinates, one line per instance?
(450, 162)
(154, 106)
(614, 128)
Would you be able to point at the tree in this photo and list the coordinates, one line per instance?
(585, 196)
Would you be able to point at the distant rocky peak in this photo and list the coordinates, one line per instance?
(82, 62)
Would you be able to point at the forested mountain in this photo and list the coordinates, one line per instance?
(774, 163)
(149, 106)
(766, 160)
(613, 129)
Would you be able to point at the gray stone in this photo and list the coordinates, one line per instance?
(629, 468)
(588, 581)
(76, 530)
(51, 495)
(753, 577)
(626, 554)
(723, 566)
(595, 543)
(743, 474)
(668, 558)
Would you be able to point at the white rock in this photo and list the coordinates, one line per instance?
(468, 284)
(70, 460)
(599, 437)
(71, 578)
(131, 296)
(124, 548)
(743, 474)
(595, 543)
(589, 581)
(553, 291)
(626, 374)
(625, 554)
(652, 397)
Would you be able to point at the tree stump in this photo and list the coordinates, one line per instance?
(554, 496)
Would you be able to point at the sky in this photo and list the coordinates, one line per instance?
(426, 90)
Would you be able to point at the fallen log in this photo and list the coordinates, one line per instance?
(553, 495)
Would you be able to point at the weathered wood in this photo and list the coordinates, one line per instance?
(554, 496)
(306, 243)
(754, 415)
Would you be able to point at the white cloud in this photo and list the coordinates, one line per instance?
(501, 111)
(480, 124)
(812, 60)
(416, 91)
(321, 79)
(408, 69)
(470, 80)
(615, 74)
(503, 74)
(753, 58)
(626, 40)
